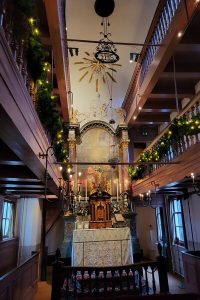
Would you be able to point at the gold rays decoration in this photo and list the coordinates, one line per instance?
(91, 66)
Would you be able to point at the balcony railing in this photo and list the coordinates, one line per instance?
(159, 34)
(15, 26)
(180, 135)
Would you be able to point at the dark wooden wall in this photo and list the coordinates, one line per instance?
(20, 283)
(8, 254)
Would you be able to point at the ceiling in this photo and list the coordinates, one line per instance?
(129, 22)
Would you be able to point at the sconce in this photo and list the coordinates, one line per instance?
(146, 198)
(134, 57)
(73, 51)
(195, 185)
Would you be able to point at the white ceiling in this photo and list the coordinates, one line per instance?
(129, 22)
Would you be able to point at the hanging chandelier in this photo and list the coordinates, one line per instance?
(106, 50)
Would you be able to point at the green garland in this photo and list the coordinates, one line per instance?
(38, 69)
(180, 127)
(50, 118)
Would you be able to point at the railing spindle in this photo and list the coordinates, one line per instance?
(153, 280)
(146, 280)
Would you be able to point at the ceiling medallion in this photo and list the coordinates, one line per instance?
(106, 50)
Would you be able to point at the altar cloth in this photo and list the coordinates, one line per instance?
(102, 247)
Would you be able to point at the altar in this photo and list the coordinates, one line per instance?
(102, 247)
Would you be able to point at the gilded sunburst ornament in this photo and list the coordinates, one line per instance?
(96, 70)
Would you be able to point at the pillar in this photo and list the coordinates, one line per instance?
(72, 141)
(122, 134)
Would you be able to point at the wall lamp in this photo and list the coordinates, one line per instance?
(134, 57)
(195, 184)
(73, 51)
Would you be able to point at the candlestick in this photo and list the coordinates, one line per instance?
(86, 190)
(192, 175)
(117, 190)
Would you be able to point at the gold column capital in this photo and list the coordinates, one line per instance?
(124, 143)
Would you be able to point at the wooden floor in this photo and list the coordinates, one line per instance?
(44, 287)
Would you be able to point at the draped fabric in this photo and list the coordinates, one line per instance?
(102, 247)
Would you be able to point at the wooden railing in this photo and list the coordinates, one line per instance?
(21, 282)
(135, 279)
(159, 34)
(183, 143)
(8, 253)
(10, 19)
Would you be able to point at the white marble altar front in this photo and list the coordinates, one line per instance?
(102, 247)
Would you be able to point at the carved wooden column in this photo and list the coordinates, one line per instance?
(122, 134)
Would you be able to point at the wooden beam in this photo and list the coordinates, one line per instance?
(11, 162)
(158, 110)
(56, 29)
(189, 48)
(160, 103)
(26, 186)
(12, 179)
(170, 95)
(17, 191)
(152, 118)
(181, 75)
(33, 194)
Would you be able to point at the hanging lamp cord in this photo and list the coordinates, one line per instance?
(175, 85)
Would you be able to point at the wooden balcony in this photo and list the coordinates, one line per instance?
(21, 130)
(183, 154)
(172, 33)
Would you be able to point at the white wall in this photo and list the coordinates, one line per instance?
(147, 235)
(55, 236)
(28, 226)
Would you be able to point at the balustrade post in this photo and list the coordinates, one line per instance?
(57, 280)
(162, 272)
(19, 57)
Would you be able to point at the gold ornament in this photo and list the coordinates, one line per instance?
(96, 69)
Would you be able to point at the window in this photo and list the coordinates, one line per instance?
(177, 222)
(159, 224)
(7, 219)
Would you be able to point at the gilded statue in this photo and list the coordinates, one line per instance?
(73, 116)
(122, 115)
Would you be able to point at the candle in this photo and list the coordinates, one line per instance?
(117, 190)
(192, 175)
(86, 190)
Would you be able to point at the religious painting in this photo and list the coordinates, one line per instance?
(97, 145)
